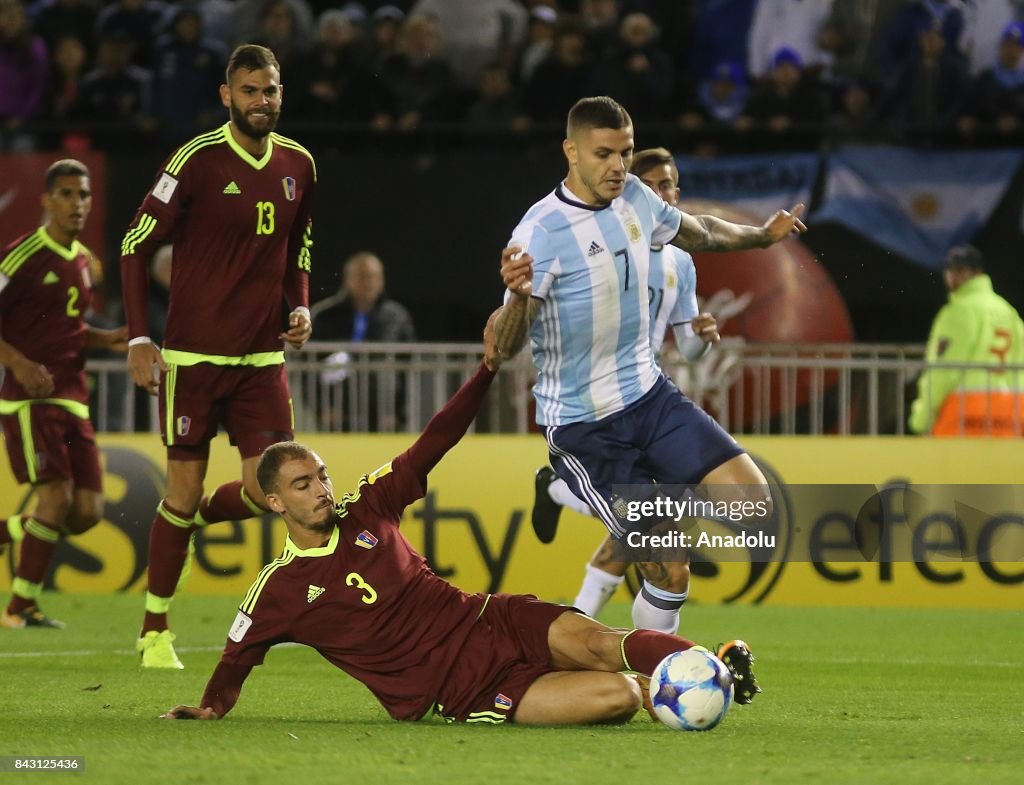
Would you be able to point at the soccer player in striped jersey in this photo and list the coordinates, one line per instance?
(46, 283)
(236, 203)
(349, 585)
(672, 293)
(578, 287)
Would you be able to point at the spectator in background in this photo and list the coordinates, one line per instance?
(901, 43)
(720, 32)
(995, 101)
(601, 23)
(854, 116)
(561, 79)
(540, 37)
(984, 23)
(115, 96)
(189, 66)
(218, 19)
(67, 70)
(61, 18)
(332, 80)
(362, 312)
(497, 108)
(24, 66)
(385, 24)
(790, 24)
(637, 72)
(790, 103)
(159, 293)
(716, 105)
(279, 30)
(930, 91)
(418, 79)
(248, 20)
(975, 326)
(853, 34)
(140, 21)
(475, 33)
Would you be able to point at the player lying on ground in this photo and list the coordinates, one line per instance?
(350, 586)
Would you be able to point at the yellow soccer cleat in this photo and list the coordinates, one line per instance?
(157, 650)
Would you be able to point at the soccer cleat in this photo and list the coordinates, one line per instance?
(545, 512)
(157, 650)
(738, 659)
(30, 617)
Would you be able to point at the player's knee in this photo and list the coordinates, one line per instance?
(621, 698)
(84, 515)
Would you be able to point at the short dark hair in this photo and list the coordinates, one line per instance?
(273, 458)
(598, 111)
(647, 159)
(251, 57)
(965, 257)
(66, 167)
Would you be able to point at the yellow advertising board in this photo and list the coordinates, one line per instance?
(474, 528)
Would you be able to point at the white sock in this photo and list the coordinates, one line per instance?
(657, 609)
(598, 587)
(560, 494)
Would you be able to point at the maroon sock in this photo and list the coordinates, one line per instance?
(225, 504)
(644, 649)
(36, 553)
(168, 549)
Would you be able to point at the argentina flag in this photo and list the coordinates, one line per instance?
(916, 203)
(758, 184)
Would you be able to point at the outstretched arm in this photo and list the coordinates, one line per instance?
(708, 233)
(221, 694)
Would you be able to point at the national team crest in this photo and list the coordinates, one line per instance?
(634, 231)
(184, 425)
(366, 540)
(502, 701)
(289, 188)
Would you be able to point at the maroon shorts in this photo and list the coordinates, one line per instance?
(47, 443)
(253, 405)
(504, 654)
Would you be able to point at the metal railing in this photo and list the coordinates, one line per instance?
(814, 389)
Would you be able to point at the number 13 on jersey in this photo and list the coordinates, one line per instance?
(264, 218)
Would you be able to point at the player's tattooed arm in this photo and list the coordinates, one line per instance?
(513, 322)
(708, 233)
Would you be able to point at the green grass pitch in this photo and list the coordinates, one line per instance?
(851, 696)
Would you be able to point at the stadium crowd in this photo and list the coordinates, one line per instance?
(727, 74)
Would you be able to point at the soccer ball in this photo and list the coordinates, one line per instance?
(691, 690)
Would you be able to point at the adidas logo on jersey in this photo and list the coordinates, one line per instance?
(594, 249)
(51, 277)
(232, 188)
(314, 592)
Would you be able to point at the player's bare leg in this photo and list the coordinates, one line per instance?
(41, 532)
(86, 511)
(738, 479)
(579, 698)
(169, 540)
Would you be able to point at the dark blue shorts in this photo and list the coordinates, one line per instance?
(662, 438)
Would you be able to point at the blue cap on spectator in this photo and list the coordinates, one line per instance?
(544, 13)
(787, 54)
(355, 13)
(1014, 30)
(388, 13)
(731, 71)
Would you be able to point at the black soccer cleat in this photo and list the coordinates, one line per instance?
(30, 617)
(545, 512)
(738, 659)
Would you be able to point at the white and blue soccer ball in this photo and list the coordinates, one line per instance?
(691, 690)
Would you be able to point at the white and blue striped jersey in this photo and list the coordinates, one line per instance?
(592, 269)
(672, 291)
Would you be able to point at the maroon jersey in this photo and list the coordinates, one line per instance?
(367, 601)
(45, 290)
(240, 228)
